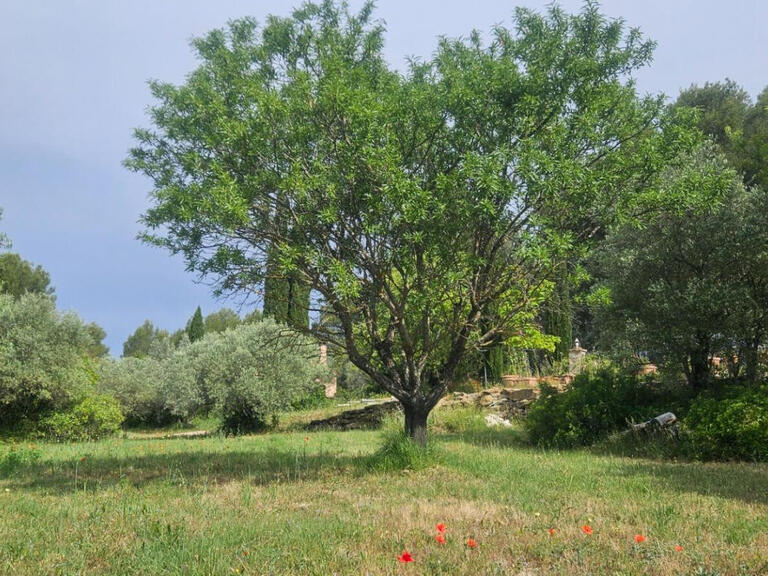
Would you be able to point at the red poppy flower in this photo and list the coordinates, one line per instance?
(471, 543)
(441, 528)
(440, 539)
(245, 552)
(639, 538)
(552, 531)
(82, 459)
(587, 529)
(306, 438)
(405, 557)
(679, 548)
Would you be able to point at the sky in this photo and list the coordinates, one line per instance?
(73, 86)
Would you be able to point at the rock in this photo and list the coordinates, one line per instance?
(518, 394)
(492, 420)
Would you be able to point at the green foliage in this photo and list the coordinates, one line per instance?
(18, 457)
(138, 385)
(146, 340)
(221, 320)
(246, 375)
(721, 109)
(93, 418)
(286, 297)
(672, 283)
(19, 277)
(256, 371)
(399, 452)
(754, 145)
(196, 326)
(459, 420)
(591, 408)
(730, 426)
(413, 203)
(97, 348)
(43, 362)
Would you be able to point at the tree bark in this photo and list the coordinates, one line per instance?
(416, 423)
(700, 364)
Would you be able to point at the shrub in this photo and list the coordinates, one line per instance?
(94, 418)
(42, 358)
(256, 370)
(592, 407)
(734, 426)
(246, 374)
(139, 386)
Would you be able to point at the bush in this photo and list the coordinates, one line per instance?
(256, 370)
(592, 407)
(43, 365)
(734, 426)
(138, 385)
(94, 418)
(246, 375)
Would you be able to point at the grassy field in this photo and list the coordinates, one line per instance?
(320, 503)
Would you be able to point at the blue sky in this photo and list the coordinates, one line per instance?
(73, 86)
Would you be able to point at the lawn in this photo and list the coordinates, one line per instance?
(292, 503)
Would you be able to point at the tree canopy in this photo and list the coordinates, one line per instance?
(425, 209)
(18, 276)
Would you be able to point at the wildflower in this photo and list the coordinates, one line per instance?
(537, 514)
(245, 553)
(471, 543)
(587, 529)
(678, 548)
(306, 438)
(639, 538)
(405, 557)
(440, 539)
(552, 531)
(441, 528)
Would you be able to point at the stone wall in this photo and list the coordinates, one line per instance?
(510, 402)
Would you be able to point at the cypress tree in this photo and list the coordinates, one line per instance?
(196, 326)
(286, 299)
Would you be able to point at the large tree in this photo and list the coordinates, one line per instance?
(426, 209)
(721, 109)
(18, 276)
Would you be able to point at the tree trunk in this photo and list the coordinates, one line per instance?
(700, 364)
(416, 423)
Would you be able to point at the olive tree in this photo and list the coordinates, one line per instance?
(44, 361)
(425, 209)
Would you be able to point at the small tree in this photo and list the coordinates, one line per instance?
(42, 355)
(196, 326)
(427, 210)
(672, 278)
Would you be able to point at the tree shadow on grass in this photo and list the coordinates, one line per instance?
(730, 480)
(193, 467)
(490, 438)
